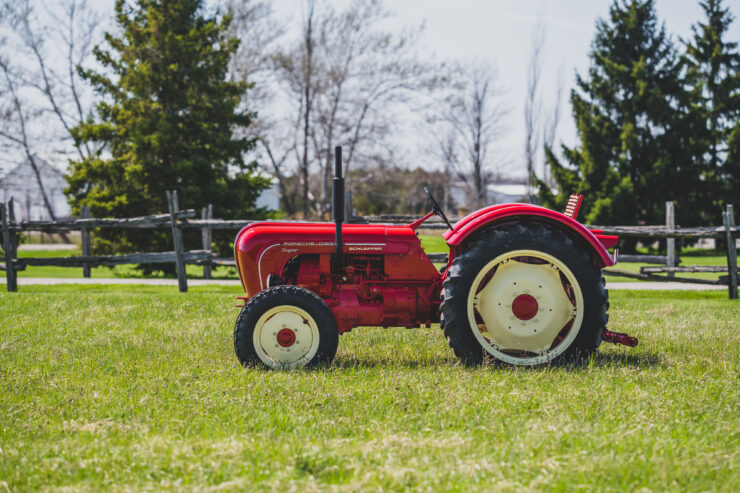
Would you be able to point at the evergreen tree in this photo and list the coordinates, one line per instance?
(168, 119)
(632, 156)
(712, 70)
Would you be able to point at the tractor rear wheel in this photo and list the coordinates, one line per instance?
(286, 327)
(523, 295)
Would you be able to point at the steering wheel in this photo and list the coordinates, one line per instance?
(436, 208)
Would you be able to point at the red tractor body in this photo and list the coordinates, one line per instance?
(386, 279)
(497, 214)
(521, 284)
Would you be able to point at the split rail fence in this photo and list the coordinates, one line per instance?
(177, 220)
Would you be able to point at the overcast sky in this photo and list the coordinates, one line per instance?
(501, 31)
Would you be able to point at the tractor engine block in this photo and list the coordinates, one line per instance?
(362, 293)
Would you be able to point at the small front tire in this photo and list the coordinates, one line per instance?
(286, 327)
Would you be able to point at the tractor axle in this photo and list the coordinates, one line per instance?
(619, 338)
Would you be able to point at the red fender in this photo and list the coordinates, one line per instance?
(472, 222)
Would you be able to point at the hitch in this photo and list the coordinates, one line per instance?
(619, 338)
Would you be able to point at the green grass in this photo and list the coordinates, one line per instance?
(119, 271)
(431, 244)
(128, 388)
(693, 257)
(434, 244)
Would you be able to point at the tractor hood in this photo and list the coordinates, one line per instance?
(263, 248)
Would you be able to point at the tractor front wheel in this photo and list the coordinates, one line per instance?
(523, 295)
(286, 327)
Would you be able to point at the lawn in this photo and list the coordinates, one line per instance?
(119, 271)
(128, 388)
(690, 256)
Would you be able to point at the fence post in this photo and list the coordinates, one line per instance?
(182, 280)
(85, 239)
(728, 218)
(206, 213)
(10, 275)
(670, 224)
(13, 234)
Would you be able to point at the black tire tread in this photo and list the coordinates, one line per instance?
(453, 316)
(286, 295)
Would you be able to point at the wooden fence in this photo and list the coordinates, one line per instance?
(177, 220)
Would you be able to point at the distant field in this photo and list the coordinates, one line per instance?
(431, 244)
(128, 388)
(434, 244)
(126, 271)
(690, 256)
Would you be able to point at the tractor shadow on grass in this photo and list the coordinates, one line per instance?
(597, 360)
(349, 361)
(613, 360)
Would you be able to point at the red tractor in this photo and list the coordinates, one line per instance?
(522, 285)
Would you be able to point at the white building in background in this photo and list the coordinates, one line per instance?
(21, 184)
(502, 192)
(269, 197)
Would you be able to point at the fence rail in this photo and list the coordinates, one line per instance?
(177, 220)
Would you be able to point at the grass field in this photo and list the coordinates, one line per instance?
(110, 388)
(690, 256)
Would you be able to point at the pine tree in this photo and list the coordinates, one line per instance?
(713, 75)
(632, 156)
(167, 119)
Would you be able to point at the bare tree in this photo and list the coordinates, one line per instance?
(296, 68)
(552, 120)
(19, 135)
(54, 42)
(533, 105)
(475, 117)
(540, 125)
(447, 152)
(344, 78)
(256, 26)
(366, 73)
(307, 72)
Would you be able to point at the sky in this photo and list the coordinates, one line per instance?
(500, 31)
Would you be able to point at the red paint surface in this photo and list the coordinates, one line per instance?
(386, 279)
(286, 337)
(619, 338)
(524, 307)
(472, 222)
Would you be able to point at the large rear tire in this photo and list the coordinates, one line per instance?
(523, 295)
(286, 327)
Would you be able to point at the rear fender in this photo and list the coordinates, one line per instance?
(498, 215)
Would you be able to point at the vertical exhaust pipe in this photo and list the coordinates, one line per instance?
(338, 202)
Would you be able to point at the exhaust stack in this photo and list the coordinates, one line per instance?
(338, 202)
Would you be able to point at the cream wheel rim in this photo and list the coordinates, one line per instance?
(286, 336)
(525, 307)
